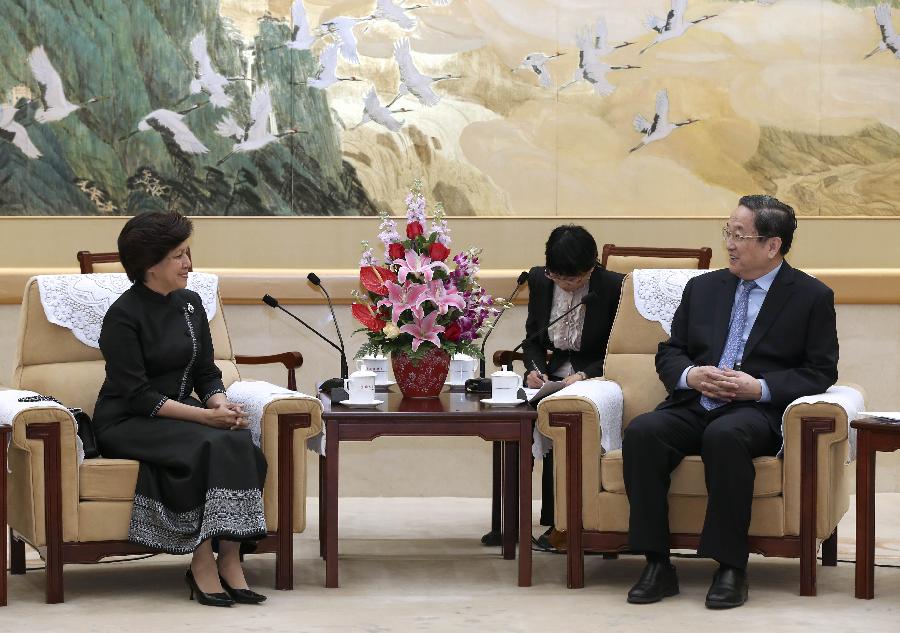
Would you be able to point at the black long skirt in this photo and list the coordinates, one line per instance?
(195, 482)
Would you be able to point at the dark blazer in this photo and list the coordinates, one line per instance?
(598, 320)
(793, 344)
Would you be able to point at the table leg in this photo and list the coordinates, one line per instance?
(4, 438)
(865, 516)
(509, 500)
(497, 489)
(332, 446)
(322, 487)
(525, 438)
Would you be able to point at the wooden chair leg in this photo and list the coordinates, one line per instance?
(571, 422)
(16, 555)
(829, 550)
(810, 429)
(48, 433)
(284, 557)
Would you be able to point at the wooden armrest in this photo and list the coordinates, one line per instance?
(506, 357)
(290, 360)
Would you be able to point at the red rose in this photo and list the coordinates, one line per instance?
(438, 252)
(414, 230)
(453, 332)
(396, 251)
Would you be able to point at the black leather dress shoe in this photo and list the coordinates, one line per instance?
(658, 580)
(729, 588)
(494, 538)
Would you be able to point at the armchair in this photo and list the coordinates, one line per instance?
(798, 500)
(80, 513)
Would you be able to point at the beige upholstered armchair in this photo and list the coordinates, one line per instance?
(75, 513)
(798, 500)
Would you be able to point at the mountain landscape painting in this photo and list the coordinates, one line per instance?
(500, 107)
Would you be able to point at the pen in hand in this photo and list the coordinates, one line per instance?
(540, 374)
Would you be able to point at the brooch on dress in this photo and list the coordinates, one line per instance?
(190, 308)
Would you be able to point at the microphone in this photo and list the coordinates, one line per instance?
(272, 302)
(589, 298)
(523, 277)
(314, 280)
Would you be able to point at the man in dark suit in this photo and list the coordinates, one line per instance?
(745, 342)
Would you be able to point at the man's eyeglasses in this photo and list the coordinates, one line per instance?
(737, 237)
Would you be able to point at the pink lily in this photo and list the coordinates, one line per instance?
(401, 298)
(424, 329)
(415, 264)
(445, 297)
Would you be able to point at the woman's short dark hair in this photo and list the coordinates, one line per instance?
(772, 218)
(147, 238)
(570, 251)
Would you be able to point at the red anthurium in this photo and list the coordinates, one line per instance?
(438, 252)
(366, 315)
(453, 332)
(396, 251)
(374, 277)
(414, 229)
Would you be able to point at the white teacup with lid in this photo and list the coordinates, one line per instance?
(505, 385)
(462, 367)
(360, 386)
(377, 364)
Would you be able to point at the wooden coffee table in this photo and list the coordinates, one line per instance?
(873, 435)
(5, 433)
(452, 414)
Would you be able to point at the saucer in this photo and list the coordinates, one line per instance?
(455, 384)
(361, 405)
(386, 383)
(502, 403)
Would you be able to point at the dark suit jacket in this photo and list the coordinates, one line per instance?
(598, 320)
(793, 344)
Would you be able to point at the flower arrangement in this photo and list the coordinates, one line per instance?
(419, 298)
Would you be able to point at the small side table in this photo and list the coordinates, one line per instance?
(5, 434)
(873, 435)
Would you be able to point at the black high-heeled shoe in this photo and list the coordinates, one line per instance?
(207, 599)
(242, 596)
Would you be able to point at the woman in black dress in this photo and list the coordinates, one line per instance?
(577, 343)
(200, 476)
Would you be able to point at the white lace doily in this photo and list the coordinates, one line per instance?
(255, 395)
(607, 398)
(10, 407)
(657, 292)
(79, 302)
(850, 400)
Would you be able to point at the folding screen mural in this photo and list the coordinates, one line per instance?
(502, 107)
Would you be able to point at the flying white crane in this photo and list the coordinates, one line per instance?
(391, 11)
(170, 124)
(382, 115)
(256, 134)
(301, 39)
(889, 40)
(54, 105)
(206, 79)
(536, 62)
(674, 25)
(601, 39)
(341, 28)
(14, 132)
(590, 68)
(411, 80)
(326, 73)
(660, 128)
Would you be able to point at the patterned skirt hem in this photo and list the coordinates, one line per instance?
(231, 514)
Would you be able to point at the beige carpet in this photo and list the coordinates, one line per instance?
(397, 576)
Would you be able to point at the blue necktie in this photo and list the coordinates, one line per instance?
(733, 345)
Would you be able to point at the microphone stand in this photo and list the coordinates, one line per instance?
(523, 277)
(331, 383)
(586, 299)
(314, 280)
